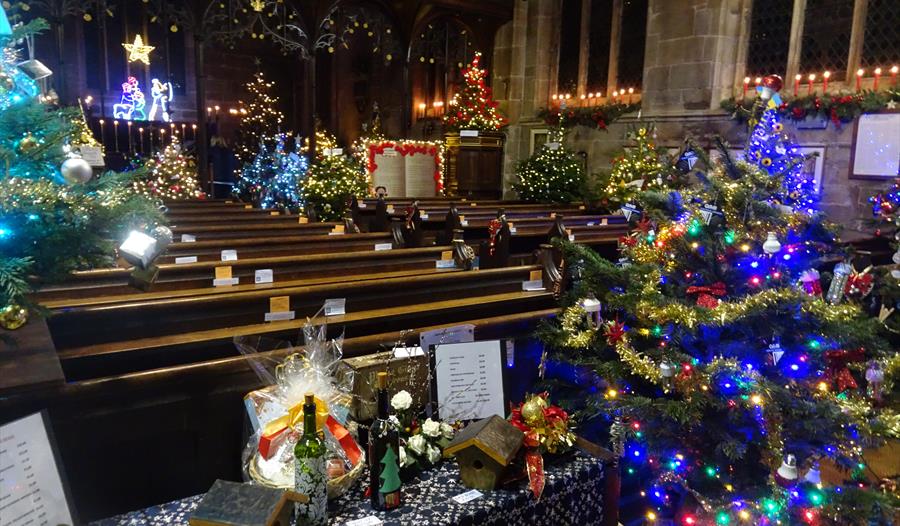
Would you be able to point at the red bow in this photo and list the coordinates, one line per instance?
(706, 295)
(493, 229)
(837, 371)
(859, 284)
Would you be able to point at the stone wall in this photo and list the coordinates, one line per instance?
(693, 51)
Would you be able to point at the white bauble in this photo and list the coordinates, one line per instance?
(76, 170)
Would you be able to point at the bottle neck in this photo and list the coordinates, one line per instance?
(309, 420)
(383, 406)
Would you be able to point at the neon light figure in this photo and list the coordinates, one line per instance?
(133, 102)
(162, 95)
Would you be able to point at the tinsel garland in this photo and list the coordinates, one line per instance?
(572, 320)
(639, 363)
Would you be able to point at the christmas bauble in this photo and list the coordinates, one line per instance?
(772, 245)
(13, 316)
(771, 84)
(76, 170)
(533, 409)
(163, 234)
(27, 144)
(787, 475)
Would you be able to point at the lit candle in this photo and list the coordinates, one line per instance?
(194, 131)
(797, 78)
(877, 76)
(825, 76)
(438, 107)
(758, 81)
(183, 136)
(102, 139)
(859, 75)
(217, 108)
(129, 136)
(140, 140)
(162, 137)
(893, 76)
(116, 132)
(809, 85)
(630, 93)
(747, 85)
(422, 110)
(615, 95)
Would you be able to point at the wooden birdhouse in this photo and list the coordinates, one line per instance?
(235, 504)
(484, 450)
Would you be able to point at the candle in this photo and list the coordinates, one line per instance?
(129, 136)
(825, 76)
(893, 76)
(758, 81)
(116, 133)
(809, 85)
(615, 95)
(162, 137)
(194, 131)
(421, 110)
(102, 138)
(859, 75)
(630, 93)
(183, 136)
(797, 78)
(877, 76)
(141, 140)
(747, 85)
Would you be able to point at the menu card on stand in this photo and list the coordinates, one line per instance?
(468, 380)
(31, 486)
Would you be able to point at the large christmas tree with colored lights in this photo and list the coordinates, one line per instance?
(474, 108)
(734, 383)
(770, 149)
(260, 117)
(274, 178)
(642, 166)
(169, 175)
(331, 182)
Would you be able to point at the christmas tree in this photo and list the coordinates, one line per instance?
(262, 119)
(330, 183)
(772, 150)
(474, 108)
(643, 166)
(553, 174)
(55, 216)
(169, 175)
(274, 178)
(390, 473)
(730, 378)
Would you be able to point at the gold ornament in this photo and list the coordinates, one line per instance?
(13, 316)
(27, 144)
(533, 410)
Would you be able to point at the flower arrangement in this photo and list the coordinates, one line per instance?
(421, 444)
(546, 429)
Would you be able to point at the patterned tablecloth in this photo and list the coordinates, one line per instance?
(573, 496)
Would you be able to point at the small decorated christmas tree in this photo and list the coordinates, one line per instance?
(263, 118)
(770, 148)
(330, 183)
(474, 107)
(644, 166)
(553, 174)
(170, 175)
(274, 177)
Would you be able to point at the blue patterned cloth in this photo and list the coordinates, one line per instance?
(573, 495)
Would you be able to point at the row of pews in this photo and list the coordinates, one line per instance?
(149, 402)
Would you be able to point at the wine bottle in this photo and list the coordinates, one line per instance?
(309, 470)
(384, 449)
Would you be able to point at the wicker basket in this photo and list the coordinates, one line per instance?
(336, 486)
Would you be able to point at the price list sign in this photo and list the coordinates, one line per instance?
(31, 488)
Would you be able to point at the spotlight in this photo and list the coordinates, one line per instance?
(141, 250)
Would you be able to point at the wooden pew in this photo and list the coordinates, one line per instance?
(210, 250)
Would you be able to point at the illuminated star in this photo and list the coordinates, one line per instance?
(138, 51)
(891, 104)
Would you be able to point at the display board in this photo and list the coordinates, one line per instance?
(876, 146)
(31, 485)
(406, 168)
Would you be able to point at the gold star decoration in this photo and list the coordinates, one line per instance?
(257, 5)
(137, 51)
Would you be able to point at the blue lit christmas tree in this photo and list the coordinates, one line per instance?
(273, 178)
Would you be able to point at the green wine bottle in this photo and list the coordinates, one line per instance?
(309, 470)
(384, 455)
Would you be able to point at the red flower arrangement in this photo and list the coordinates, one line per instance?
(546, 429)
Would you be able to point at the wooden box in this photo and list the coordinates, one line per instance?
(404, 373)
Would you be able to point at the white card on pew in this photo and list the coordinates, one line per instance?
(229, 255)
(468, 133)
(335, 306)
(383, 246)
(408, 352)
(185, 259)
(591, 223)
(225, 282)
(390, 209)
(444, 263)
(361, 204)
(604, 222)
(512, 230)
(264, 275)
(532, 285)
(280, 316)
(336, 233)
(571, 237)
(187, 238)
(423, 215)
(371, 520)
(463, 223)
(33, 488)
(468, 496)
(455, 334)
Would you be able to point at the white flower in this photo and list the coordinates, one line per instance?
(431, 428)
(401, 401)
(433, 454)
(417, 444)
(447, 431)
(394, 422)
(405, 460)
